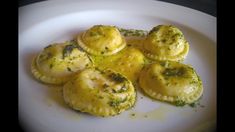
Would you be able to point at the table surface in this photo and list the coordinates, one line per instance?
(206, 6)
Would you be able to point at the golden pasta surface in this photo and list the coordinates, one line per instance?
(102, 40)
(128, 62)
(171, 81)
(99, 69)
(165, 42)
(99, 92)
(57, 63)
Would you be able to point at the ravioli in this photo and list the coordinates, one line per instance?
(98, 69)
(102, 40)
(172, 82)
(165, 42)
(128, 62)
(99, 92)
(57, 63)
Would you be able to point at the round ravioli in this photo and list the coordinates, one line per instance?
(58, 62)
(102, 40)
(128, 62)
(172, 82)
(100, 93)
(166, 42)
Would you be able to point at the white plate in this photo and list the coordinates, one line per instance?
(55, 21)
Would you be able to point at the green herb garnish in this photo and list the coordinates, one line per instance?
(180, 103)
(105, 85)
(173, 72)
(80, 48)
(69, 69)
(193, 105)
(164, 63)
(117, 77)
(100, 97)
(68, 49)
(196, 103)
(133, 32)
(163, 40)
(51, 65)
(48, 46)
(155, 29)
(116, 103)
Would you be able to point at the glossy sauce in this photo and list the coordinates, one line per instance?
(128, 62)
(161, 113)
(55, 95)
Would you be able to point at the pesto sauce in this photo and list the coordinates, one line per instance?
(117, 77)
(48, 46)
(196, 104)
(155, 29)
(100, 97)
(192, 105)
(133, 114)
(179, 103)
(117, 102)
(69, 69)
(169, 72)
(51, 66)
(105, 86)
(133, 32)
(68, 49)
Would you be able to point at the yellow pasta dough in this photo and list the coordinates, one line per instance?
(102, 40)
(99, 68)
(99, 92)
(128, 62)
(172, 82)
(58, 62)
(165, 42)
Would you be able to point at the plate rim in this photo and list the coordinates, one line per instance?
(39, 4)
(39, 9)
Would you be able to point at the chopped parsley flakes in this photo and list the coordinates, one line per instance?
(117, 77)
(180, 103)
(68, 49)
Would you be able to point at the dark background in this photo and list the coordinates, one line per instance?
(206, 6)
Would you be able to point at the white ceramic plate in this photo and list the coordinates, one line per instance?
(42, 110)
